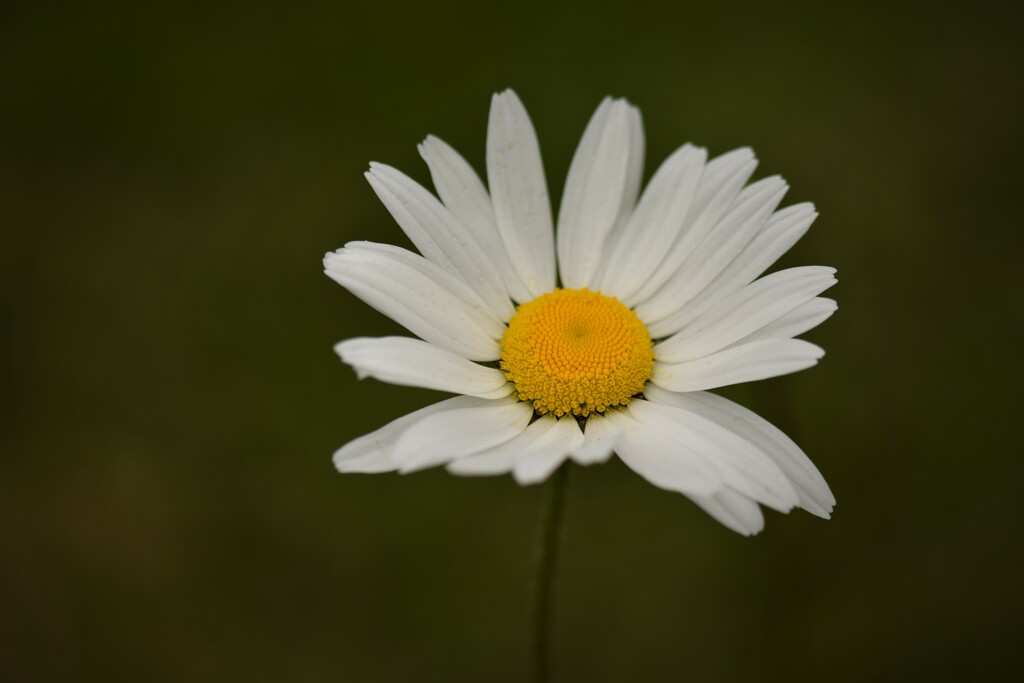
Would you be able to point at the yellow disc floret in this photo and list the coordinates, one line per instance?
(576, 351)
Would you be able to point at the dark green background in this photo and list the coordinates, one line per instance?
(170, 177)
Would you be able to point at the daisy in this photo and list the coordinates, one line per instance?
(600, 336)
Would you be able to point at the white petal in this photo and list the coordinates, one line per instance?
(519, 193)
(742, 465)
(815, 496)
(548, 451)
(655, 224)
(796, 322)
(745, 312)
(779, 233)
(464, 194)
(459, 433)
(599, 441)
(594, 192)
(734, 510)
(733, 232)
(634, 179)
(662, 460)
(411, 362)
(490, 463)
(720, 184)
(635, 170)
(531, 456)
(500, 459)
(431, 303)
(746, 363)
(374, 452)
(439, 236)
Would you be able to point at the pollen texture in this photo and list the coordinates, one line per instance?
(576, 351)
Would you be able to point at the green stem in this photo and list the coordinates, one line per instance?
(549, 539)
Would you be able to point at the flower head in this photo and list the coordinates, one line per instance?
(655, 299)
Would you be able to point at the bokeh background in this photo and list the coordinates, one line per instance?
(170, 176)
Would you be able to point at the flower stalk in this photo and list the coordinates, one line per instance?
(550, 533)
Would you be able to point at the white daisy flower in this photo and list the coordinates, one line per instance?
(603, 336)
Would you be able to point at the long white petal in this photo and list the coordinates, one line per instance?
(454, 434)
(635, 168)
(411, 362)
(746, 363)
(631, 190)
(779, 233)
(655, 224)
(741, 465)
(720, 184)
(734, 510)
(662, 460)
(430, 302)
(439, 236)
(548, 451)
(490, 463)
(519, 193)
(464, 194)
(599, 441)
(745, 312)
(796, 322)
(500, 459)
(531, 456)
(594, 192)
(815, 495)
(374, 452)
(734, 231)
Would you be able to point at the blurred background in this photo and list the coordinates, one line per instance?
(170, 177)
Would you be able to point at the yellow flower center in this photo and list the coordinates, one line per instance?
(576, 351)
